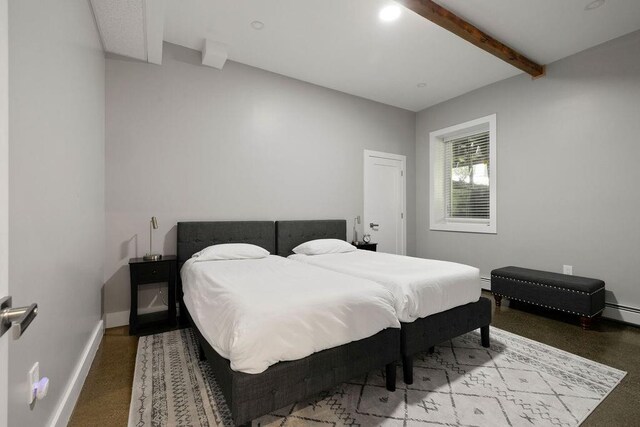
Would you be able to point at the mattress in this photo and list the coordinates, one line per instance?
(421, 287)
(259, 312)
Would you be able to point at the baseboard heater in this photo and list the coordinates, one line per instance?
(622, 307)
(622, 313)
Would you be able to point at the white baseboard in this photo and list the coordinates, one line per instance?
(121, 318)
(622, 313)
(74, 386)
(485, 283)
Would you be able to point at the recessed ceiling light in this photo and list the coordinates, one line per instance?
(594, 5)
(257, 25)
(389, 13)
(421, 85)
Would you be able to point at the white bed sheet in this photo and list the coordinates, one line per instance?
(421, 287)
(262, 311)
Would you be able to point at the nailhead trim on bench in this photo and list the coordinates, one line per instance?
(547, 306)
(547, 286)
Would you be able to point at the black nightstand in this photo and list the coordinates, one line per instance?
(373, 247)
(143, 272)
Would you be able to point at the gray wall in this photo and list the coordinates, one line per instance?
(56, 192)
(568, 173)
(4, 195)
(187, 142)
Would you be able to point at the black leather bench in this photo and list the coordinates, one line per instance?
(572, 294)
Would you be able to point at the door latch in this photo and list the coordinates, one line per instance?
(19, 318)
(374, 226)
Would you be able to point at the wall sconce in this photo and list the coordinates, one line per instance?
(150, 256)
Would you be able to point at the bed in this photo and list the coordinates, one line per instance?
(428, 315)
(273, 385)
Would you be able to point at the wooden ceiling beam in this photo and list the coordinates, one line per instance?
(458, 26)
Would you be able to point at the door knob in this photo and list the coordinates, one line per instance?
(374, 226)
(20, 318)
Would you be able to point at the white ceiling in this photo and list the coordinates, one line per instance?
(342, 45)
(548, 30)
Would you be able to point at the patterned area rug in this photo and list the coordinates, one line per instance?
(517, 382)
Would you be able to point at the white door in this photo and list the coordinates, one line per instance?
(4, 201)
(385, 200)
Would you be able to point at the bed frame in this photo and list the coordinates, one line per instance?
(415, 337)
(250, 396)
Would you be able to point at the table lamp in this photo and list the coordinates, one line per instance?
(356, 221)
(150, 256)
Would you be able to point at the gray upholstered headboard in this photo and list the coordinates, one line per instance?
(195, 236)
(292, 233)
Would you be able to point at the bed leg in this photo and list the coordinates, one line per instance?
(390, 369)
(407, 369)
(484, 336)
(201, 354)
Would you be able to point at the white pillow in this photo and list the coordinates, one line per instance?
(324, 246)
(228, 251)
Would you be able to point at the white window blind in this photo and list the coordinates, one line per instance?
(466, 163)
(462, 173)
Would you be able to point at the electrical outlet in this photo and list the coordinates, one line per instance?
(33, 379)
(567, 269)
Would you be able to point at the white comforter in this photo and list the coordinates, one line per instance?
(421, 286)
(262, 311)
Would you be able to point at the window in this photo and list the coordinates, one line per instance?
(463, 177)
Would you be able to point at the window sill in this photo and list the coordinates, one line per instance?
(464, 227)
